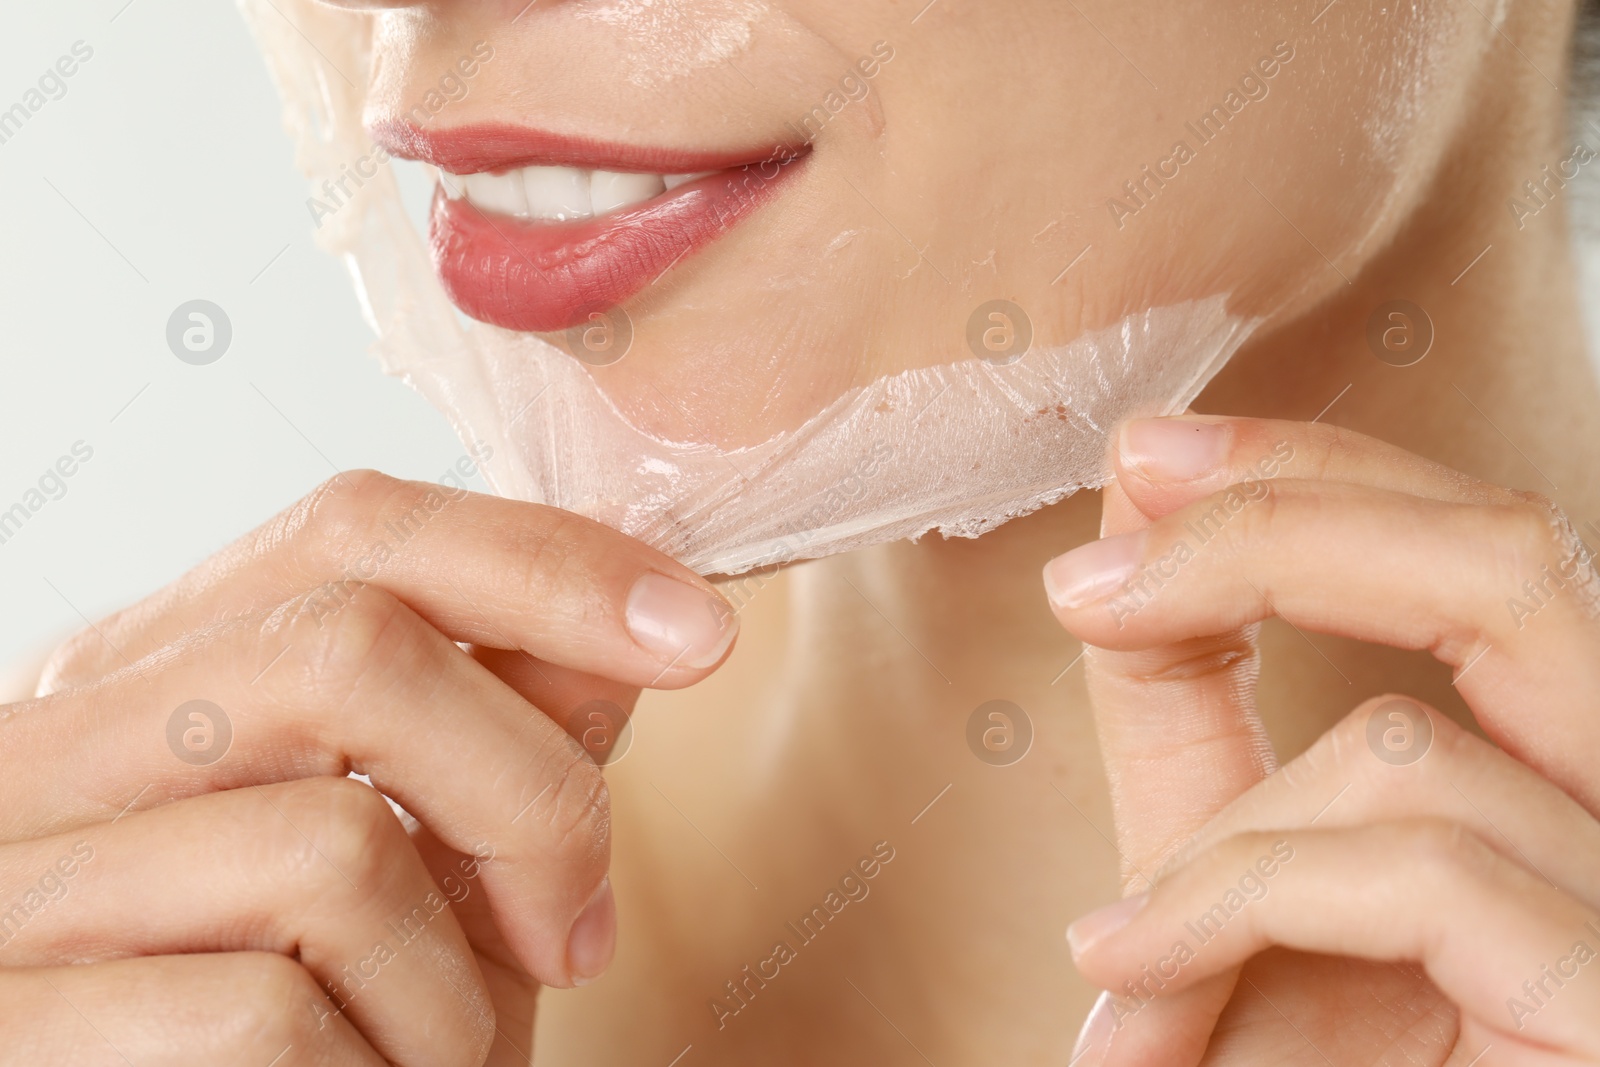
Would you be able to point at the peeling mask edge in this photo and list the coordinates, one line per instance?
(959, 448)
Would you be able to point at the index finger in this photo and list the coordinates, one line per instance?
(1179, 732)
(1166, 463)
(481, 569)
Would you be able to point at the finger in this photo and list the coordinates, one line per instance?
(319, 870)
(1180, 737)
(1164, 464)
(1378, 1010)
(481, 569)
(176, 1011)
(374, 689)
(1174, 1031)
(1487, 931)
(1397, 758)
(512, 989)
(1391, 758)
(1378, 566)
(594, 711)
(1178, 729)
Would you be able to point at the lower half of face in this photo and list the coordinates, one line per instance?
(780, 200)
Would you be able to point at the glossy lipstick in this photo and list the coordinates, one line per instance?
(546, 276)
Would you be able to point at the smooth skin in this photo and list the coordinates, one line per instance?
(833, 727)
(1457, 858)
(842, 715)
(313, 923)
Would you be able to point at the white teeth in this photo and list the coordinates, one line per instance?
(500, 193)
(675, 180)
(450, 183)
(556, 193)
(609, 190)
(559, 194)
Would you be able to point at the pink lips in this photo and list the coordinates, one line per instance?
(547, 276)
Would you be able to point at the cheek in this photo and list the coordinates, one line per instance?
(1350, 138)
(1219, 183)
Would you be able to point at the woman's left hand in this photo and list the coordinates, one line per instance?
(1373, 867)
(1454, 856)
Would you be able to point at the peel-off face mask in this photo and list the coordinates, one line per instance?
(998, 428)
(959, 448)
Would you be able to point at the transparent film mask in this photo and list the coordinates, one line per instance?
(983, 432)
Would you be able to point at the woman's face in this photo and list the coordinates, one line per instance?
(908, 163)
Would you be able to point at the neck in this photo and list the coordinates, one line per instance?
(844, 710)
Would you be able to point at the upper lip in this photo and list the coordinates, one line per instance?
(496, 147)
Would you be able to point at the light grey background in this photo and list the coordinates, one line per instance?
(162, 176)
(166, 159)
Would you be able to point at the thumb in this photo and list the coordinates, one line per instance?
(1180, 738)
(1178, 728)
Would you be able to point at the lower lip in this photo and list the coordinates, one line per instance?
(543, 277)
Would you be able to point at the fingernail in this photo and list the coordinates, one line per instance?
(1173, 450)
(1094, 1040)
(680, 623)
(593, 940)
(1094, 571)
(1103, 922)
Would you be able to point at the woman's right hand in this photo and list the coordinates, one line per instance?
(181, 882)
